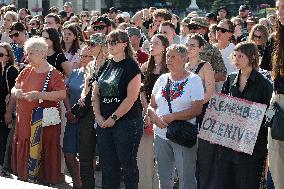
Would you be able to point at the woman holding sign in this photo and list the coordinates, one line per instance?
(238, 170)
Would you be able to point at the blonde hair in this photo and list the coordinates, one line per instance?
(8, 48)
(13, 15)
(36, 44)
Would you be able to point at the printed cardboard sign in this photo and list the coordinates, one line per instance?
(232, 122)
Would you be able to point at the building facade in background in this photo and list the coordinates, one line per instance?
(37, 5)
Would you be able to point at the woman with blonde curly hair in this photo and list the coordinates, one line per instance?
(30, 94)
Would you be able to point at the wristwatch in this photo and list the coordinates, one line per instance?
(114, 117)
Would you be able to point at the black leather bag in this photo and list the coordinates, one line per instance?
(81, 111)
(277, 126)
(180, 131)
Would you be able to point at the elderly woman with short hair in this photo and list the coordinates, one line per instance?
(186, 98)
(29, 94)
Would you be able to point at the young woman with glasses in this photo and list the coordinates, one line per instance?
(85, 20)
(224, 35)
(118, 113)
(259, 35)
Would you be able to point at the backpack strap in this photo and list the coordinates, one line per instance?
(199, 67)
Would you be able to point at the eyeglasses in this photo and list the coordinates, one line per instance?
(2, 54)
(223, 30)
(85, 56)
(100, 27)
(194, 27)
(32, 24)
(257, 36)
(14, 35)
(113, 42)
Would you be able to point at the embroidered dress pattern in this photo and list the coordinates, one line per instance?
(176, 89)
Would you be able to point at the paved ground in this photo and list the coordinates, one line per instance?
(6, 183)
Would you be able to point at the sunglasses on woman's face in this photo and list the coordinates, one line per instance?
(2, 54)
(14, 35)
(223, 30)
(85, 56)
(32, 24)
(257, 36)
(98, 28)
(194, 27)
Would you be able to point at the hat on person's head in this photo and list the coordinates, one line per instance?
(252, 19)
(98, 39)
(125, 14)
(104, 20)
(192, 14)
(112, 9)
(133, 31)
(68, 4)
(243, 8)
(200, 21)
(62, 13)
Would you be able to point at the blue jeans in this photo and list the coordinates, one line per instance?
(118, 147)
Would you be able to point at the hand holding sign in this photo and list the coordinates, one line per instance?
(232, 122)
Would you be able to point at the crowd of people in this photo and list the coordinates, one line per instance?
(89, 90)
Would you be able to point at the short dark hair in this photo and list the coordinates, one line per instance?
(18, 26)
(56, 18)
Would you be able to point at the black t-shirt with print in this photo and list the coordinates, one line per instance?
(113, 79)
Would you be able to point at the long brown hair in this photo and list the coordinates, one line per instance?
(8, 48)
(151, 61)
(121, 36)
(278, 56)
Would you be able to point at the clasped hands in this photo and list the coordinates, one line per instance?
(162, 121)
(32, 95)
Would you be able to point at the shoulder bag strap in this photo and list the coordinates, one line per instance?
(168, 96)
(44, 89)
(47, 80)
(199, 67)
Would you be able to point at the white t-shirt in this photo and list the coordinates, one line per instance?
(226, 55)
(182, 94)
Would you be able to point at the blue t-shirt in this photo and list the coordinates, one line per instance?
(75, 85)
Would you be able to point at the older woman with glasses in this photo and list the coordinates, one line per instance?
(30, 95)
(97, 49)
(75, 85)
(118, 113)
(185, 94)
